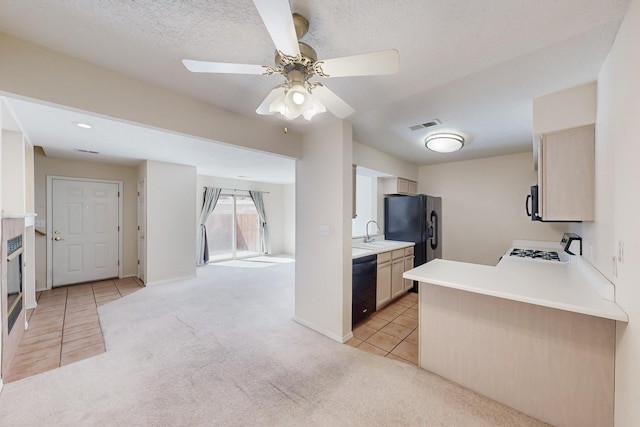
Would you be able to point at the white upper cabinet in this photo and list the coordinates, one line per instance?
(396, 185)
(566, 174)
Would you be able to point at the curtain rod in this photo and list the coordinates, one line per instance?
(236, 189)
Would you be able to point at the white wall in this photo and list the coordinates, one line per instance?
(170, 237)
(13, 182)
(565, 109)
(46, 75)
(289, 219)
(278, 208)
(373, 159)
(366, 206)
(483, 206)
(376, 160)
(618, 204)
(2, 120)
(323, 263)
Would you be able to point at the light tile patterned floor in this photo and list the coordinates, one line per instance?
(64, 327)
(391, 331)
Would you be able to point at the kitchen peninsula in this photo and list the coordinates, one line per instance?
(536, 336)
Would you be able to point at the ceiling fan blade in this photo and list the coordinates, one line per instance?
(222, 67)
(367, 64)
(276, 15)
(263, 108)
(332, 102)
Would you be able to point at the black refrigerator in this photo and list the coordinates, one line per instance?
(415, 219)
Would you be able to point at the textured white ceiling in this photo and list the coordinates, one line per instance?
(475, 65)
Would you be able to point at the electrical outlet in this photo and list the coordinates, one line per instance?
(324, 230)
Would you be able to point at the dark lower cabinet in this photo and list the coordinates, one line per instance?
(364, 288)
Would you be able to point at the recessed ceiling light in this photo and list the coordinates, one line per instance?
(83, 125)
(444, 142)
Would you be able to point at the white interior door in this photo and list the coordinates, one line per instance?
(85, 231)
(141, 231)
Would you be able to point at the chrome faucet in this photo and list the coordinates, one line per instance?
(368, 238)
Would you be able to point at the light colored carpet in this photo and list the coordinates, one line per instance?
(221, 350)
(242, 264)
(272, 259)
(255, 262)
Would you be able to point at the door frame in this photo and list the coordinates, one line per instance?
(141, 270)
(49, 218)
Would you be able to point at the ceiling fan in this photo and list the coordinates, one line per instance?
(298, 63)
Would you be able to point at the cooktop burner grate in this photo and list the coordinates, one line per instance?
(536, 254)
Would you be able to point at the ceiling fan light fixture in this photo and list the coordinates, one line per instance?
(277, 106)
(294, 102)
(444, 142)
(298, 99)
(318, 108)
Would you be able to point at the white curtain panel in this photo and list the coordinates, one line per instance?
(209, 201)
(256, 196)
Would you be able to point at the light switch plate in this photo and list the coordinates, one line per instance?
(324, 230)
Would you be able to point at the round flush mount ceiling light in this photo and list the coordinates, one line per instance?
(444, 142)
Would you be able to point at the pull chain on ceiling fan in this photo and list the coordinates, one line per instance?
(298, 63)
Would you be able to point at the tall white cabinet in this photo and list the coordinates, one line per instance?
(566, 174)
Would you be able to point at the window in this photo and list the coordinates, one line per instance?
(233, 229)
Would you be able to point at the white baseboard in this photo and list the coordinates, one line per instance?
(173, 279)
(324, 332)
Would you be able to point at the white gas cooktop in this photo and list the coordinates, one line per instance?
(538, 251)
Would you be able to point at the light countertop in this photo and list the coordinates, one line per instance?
(564, 286)
(361, 249)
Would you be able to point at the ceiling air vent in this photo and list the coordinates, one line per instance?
(434, 122)
(80, 150)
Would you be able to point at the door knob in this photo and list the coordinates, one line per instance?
(58, 238)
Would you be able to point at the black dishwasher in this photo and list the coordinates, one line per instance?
(364, 274)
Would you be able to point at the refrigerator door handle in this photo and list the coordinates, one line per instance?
(434, 230)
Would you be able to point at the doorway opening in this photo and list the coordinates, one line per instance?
(233, 229)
